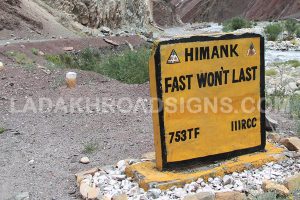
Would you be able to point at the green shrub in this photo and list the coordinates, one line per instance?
(293, 63)
(90, 148)
(21, 58)
(266, 196)
(127, 66)
(2, 130)
(271, 72)
(235, 24)
(270, 196)
(291, 26)
(35, 51)
(272, 31)
(295, 106)
(298, 127)
(298, 32)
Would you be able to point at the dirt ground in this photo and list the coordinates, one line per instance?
(56, 140)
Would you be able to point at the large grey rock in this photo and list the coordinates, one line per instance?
(271, 124)
(200, 196)
(22, 196)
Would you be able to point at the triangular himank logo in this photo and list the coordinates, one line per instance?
(173, 59)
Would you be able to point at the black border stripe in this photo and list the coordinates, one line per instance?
(160, 106)
(165, 164)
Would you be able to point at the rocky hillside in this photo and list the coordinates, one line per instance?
(11, 16)
(217, 10)
(110, 13)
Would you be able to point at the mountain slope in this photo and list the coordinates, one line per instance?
(190, 11)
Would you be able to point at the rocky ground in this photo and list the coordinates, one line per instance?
(40, 151)
(110, 182)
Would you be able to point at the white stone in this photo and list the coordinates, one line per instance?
(227, 180)
(1, 66)
(84, 160)
(119, 177)
(22, 196)
(200, 180)
(276, 166)
(31, 162)
(235, 174)
(207, 189)
(243, 175)
(292, 86)
(216, 181)
(203, 184)
(154, 193)
(134, 191)
(105, 29)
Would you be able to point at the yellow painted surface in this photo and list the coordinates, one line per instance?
(216, 136)
(147, 173)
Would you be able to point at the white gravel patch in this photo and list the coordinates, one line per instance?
(113, 181)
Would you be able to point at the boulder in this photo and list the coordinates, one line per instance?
(80, 175)
(120, 197)
(105, 29)
(274, 137)
(298, 83)
(271, 124)
(89, 192)
(200, 196)
(230, 196)
(270, 186)
(293, 183)
(292, 144)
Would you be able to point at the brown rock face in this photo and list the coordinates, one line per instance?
(110, 13)
(273, 9)
(210, 10)
(218, 10)
(165, 13)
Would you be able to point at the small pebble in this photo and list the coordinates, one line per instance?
(84, 160)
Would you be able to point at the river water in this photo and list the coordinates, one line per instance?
(281, 56)
(271, 56)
